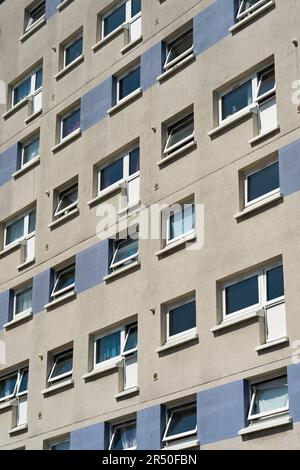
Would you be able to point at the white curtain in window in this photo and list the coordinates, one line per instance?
(128, 437)
(271, 399)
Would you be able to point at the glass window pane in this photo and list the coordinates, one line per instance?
(15, 231)
(39, 79)
(271, 396)
(125, 437)
(111, 174)
(134, 161)
(188, 218)
(108, 347)
(23, 301)
(65, 279)
(23, 387)
(176, 225)
(32, 222)
(61, 446)
(242, 295)
(182, 318)
(71, 123)
(263, 182)
(73, 51)
(36, 13)
(22, 91)
(180, 131)
(7, 386)
(63, 364)
(267, 82)
(237, 99)
(179, 46)
(67, 198)
(182, 421)
(136, 7)
(132, 339)
(115, 19)
(125, 249)
(31, 151)
(129, 83)
(246, 4)
(275, 283)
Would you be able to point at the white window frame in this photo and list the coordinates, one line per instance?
(262, 292)
(172, 306)
(62, 119)
(123, 338)
(169, 240)
(169, 45)
(117, 265)
(264, 196)
(126, 336)
(118, 426)
(26, 235)
(58, 213)
(172, 127)
(28, 13)
(67, 45)
(254, 417)
(241, 15)
(128, 16)
(52, 379)
(126, 165)
(33, 91)
(16, 393)
(61, 292)
(119, 78)
(23, 147)
(170, 414)
(17, 292)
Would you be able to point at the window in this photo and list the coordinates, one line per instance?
(247, 7)
(30, 151)
(181, 319)
(263, 289)
(128, 83)
(125, 252)
(70, 123)
(179, 134)
(29, 86)
(127, 12)
(64, 283)
(123, 437)
(60, 445)
(62, 367)
(180, 223)
(72, 50)
(67, 201)
(179, 49)
(19, 229)
(261, 183)
(22, 301)
(34, 14)
(181, 423)
(15, 386)
(268, 398)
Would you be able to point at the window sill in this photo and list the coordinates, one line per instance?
(62, 300)
(63, 5)
(103, 370)
(33, 116)
(64, 218)
(176, 68)
(251, 17)
(131, 45)
(272, 344)
(26, 264)
(10, 249)
(176, 245)
(26, 167)
(177, 153)
(37, 25)
(127, 393)
(15, 108)
(258, 138)
(58, 387)
(270, 424)
(122, 271)
(6, 405)
(183, 445)
(136, 94)
(17, 429)
(172, 344)
(69, 67)
(66, 141)
(107, 38)
(259, 205)
(236, 321)
(104, 195)
(230, 122)
(19, 319)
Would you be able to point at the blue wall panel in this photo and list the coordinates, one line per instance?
(150, 427)
(289, 168)
(8, 163)
(151, 66)
(294, 391)
(91, 266)
(51, 8)
(41, 290)
(5, 307)
(93, 437)
(96, 103)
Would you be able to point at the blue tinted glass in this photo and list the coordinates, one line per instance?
(73, 51)
(136, 7)
(22, 90)
(108, 347)
(31, 151)
(236, 100)
(115, 19)
(132, 339)
(182, 318)
(15, 231)
(61, 446)
(275, 283)
(130, 83)
(71, 123)
(64, 364)
(242, 295)
(24, 382)
(65, 279)
(184, 420)
(134, 161)
(39, 79)
(32, 222)
(111, 174)
(263, 182)
(125, 249)
(7, 386)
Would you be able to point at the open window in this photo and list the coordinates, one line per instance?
(249, 7)
(64, 283)
(125, 252)
(179, 49)
(180, 222)
(34, 14)
(67, 201)
(62, 367)
(179, 134)
(123, 436)
(181, 424)
(268, 399)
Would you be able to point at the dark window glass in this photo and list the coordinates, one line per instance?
(275, 283)
(108, 347)
(39, 79)
(73, 52)
(22, 91)
(242, 295)
(111, 174)
(182, 318)
(134, 161)
(115, 19)
(237, 99)
(183, 421)
(136, 7)
(32, 222)
(129, 83)
(71, 123)
(263, 181)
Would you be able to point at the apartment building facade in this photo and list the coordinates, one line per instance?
(149, 187)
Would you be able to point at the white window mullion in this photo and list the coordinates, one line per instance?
(126, 166)
(128, 11)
